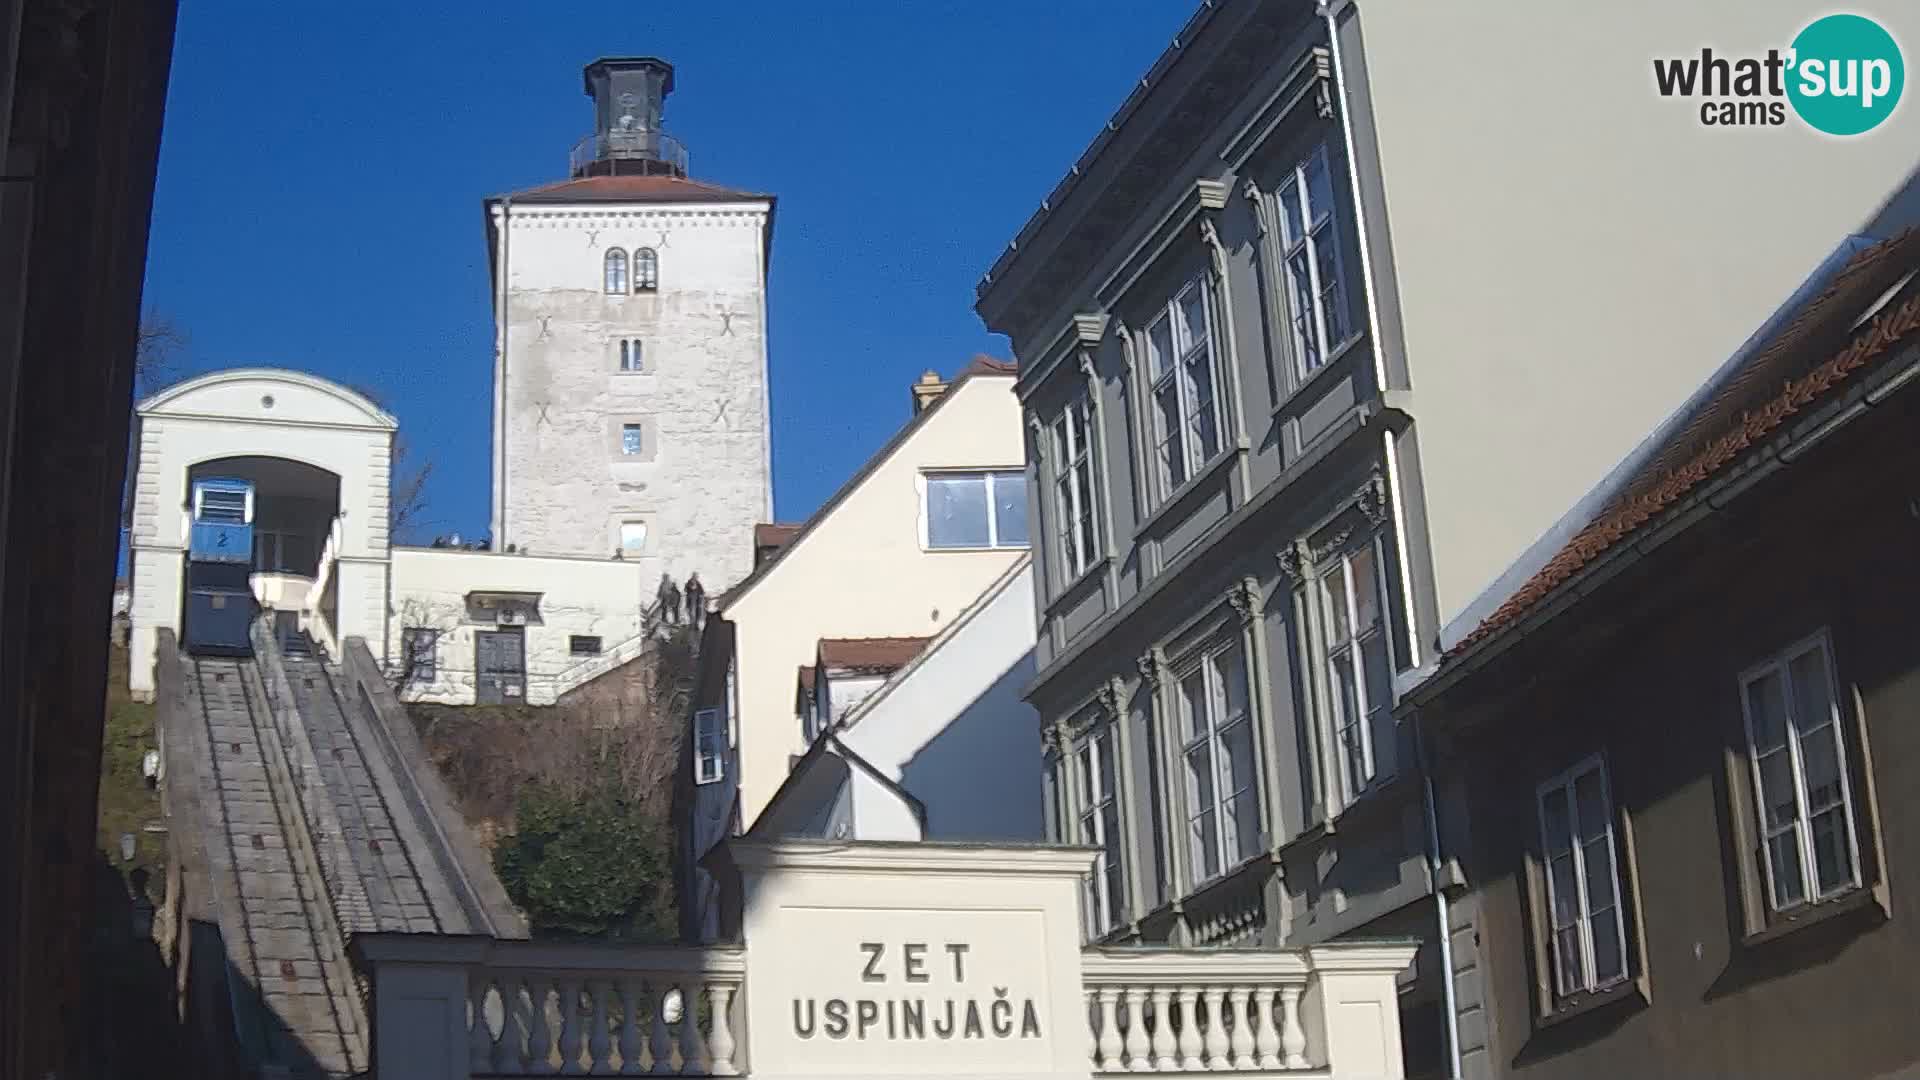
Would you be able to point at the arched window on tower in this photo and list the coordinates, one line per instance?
(616, 272)
(646, 270)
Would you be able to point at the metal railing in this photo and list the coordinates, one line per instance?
(629, 146)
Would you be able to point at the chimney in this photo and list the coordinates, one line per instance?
(629, 95)
(927, 391)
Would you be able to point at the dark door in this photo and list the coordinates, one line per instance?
(501, 664)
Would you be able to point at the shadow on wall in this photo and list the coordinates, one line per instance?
(980, 778)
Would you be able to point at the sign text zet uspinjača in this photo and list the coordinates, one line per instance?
(907, 1001)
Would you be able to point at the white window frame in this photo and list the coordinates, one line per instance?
(1076, 513)
(1209, 734)
(620, 536)
(709, 747)
(632, 355)
(991, 478)
(613, 272)
(246, 505)
(1567, 984)
(1796, 731)
(1353, 649)
(1192, 458)
(1103, 897)
(646, 270)
(1314, 339)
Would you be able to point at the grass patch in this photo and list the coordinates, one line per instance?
(127, 803)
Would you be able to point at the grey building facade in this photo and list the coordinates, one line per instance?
(1225, 594)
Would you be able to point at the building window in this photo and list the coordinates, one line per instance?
(616, 271)
(420, 649)
(1186, 426)
(630, 355)
(1359, 663)
(630, 439)
(1586, 924)
(583, 645)
(1223, 804)
(277, 551)
(1075, 524)
(1099, 827)
(633, 536)
(976, 509)
(1316, 279)
(646, 270)
(709, 747)
(1797, 752)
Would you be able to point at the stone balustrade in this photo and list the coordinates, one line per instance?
(884, 959)
(1218, 1010)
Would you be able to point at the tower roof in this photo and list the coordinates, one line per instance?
(625, 189)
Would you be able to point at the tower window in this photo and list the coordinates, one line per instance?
(630, 355)
(630, 439)
(633, 535)
(646, 270)
(616, 267)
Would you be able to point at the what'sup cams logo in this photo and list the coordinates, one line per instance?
(1842, 75)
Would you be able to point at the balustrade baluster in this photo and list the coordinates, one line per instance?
(1266, 1038)
(693, 1051)
(1164, 1052)
(540, 1034)
(1108, 1044)
(509, 1056)
(1190, 1030)
(630, 1043)
(599, 1039)
(720, 1042)
(661, 1043)
(479, 1034)
(1217, 1029)
(1136, 1030)
(1293, 1037)
(569, 995)
(1242, 1033)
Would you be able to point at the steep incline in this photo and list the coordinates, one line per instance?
(319, 821)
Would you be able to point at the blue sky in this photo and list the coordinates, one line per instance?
(323, 166)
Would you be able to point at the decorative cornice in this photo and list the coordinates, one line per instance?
(526, 217)
(1246, 599)
(1091, 327)
(1055, 737)
(1108, 699)
(1211, 194)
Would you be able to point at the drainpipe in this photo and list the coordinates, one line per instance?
(500, 389)
(1435, 865)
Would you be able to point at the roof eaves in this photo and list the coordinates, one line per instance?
(892, 446)
(1548, 590)
(960, 622)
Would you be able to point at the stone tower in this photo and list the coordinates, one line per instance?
(630, 374)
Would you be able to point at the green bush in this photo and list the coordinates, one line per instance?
(591, 864)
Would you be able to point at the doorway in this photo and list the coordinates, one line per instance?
(500, 664)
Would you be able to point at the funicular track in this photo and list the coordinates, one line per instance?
(289, 941)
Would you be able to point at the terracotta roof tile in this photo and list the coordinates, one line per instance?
(869, 654)
(631, 189)
(774, 535)
(1766, 393)
(982, 364)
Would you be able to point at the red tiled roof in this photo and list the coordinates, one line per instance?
(774, 535)
(982, 364)
(806, 677)
(631, 189)
(870, 654)
(1754, 404)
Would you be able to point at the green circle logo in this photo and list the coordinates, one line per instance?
(1847, 74)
